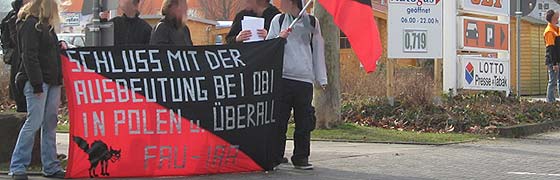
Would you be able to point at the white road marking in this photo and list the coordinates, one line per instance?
(535, 174)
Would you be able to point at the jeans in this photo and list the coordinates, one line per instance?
(298, 96)
(553, 84)
(42, 113)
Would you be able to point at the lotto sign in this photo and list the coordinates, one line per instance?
(415, 29)
(483, 35)
(486, 7)
(478, 73)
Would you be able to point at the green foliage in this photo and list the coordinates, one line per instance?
(353, 132)
(472, 113)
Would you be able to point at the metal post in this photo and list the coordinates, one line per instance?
(518, 14)
(96, 21)
(450, 47)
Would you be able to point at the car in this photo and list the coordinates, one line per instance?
(73, 40)
(472, 31)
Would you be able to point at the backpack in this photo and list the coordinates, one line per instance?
(6, 37)
(312, 21)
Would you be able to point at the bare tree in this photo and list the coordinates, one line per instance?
(327, 102)
(219, 10)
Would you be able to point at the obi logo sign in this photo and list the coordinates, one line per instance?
(486, 7)
(488, 3)
(469, 73)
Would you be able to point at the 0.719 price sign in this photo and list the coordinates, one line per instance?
(415, 29)
(415, 41)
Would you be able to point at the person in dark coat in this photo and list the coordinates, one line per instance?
(254, 8)
(171, 30)
(11, 54)
(41, 73)
(130, 29)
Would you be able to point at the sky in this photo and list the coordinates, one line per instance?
(5, 6)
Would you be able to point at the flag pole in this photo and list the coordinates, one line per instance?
(300, 15)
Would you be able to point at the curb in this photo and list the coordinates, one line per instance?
(520, 131)
(388, 142)
(29, 173)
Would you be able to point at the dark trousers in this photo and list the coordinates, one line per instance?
(296, 96)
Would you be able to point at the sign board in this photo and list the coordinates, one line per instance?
(479, 73)
(527, 6)
(482, 35)
(486, 7)
(415, 29)
(70, 19)
(541, 6)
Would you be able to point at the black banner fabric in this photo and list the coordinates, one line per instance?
(172, 111)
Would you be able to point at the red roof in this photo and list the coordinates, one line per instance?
(72, 5)
(147, 7)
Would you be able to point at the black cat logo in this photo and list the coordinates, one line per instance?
(98, 152)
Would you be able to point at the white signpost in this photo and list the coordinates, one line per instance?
(415, 29)
(484, 35)
(478, 73)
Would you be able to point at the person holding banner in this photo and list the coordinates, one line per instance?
(253, 8)
(42, 75)
(552, 56)
(130, 29)
(171, 30)
(304, 65)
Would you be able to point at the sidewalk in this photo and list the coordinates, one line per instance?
(323, 153)
(536, 157)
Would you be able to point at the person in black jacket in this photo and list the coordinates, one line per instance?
(42, 76)
(171, 30)
(130, 29)
(11, 55)
(254, 8)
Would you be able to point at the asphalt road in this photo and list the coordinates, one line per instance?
(536, 157)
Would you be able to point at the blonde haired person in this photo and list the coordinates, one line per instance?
(171, 30)
(42, 75)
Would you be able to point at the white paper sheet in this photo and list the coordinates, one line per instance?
(252, 24)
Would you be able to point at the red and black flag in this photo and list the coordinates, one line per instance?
(355, 19)
(172, 111)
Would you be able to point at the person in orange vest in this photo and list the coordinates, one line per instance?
(552, 55)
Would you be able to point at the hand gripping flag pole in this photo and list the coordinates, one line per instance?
(290, 28)
(300, 15)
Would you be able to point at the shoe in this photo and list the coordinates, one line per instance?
(19, 177)
(57, 175)
(284, 161)
(302, 165)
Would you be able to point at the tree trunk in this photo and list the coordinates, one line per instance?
(327, 102)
